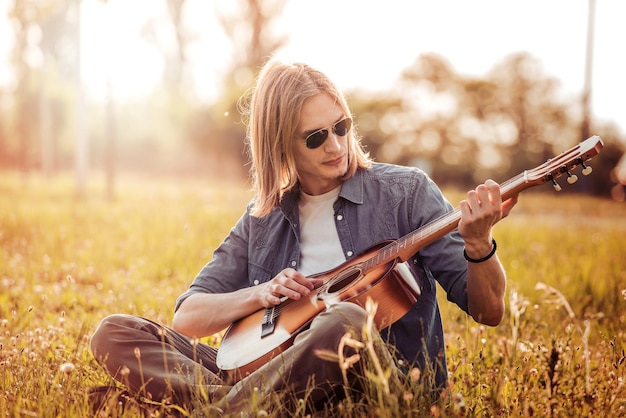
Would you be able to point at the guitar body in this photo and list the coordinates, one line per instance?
(379, 273)
(245, 348)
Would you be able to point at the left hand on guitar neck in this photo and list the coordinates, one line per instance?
(479, 213)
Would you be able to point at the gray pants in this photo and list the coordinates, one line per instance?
(161, 364)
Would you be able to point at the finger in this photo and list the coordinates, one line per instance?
(488, 193)
(285, 284)
(271, 300)
(494, 192)
(282, 290)
(297, 281)
(316, 282)
(508, 205)
(473, 200)
(466, 210)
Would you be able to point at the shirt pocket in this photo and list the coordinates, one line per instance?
(261, 265)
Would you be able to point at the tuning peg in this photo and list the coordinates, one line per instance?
(571, 178)
(586, 169)
(556, 185)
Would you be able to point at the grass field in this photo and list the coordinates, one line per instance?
(66, 262)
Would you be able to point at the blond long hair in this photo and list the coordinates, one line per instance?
(272, 110)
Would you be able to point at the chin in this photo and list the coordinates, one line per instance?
(339, 172)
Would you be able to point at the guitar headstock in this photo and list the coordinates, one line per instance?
(565, 163)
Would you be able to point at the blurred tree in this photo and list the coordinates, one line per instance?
(530, 100)
(110, 129)
(585, 128)
(373, 113)
(603, 178)
(444, 127)
(218, 130)
(43, 58)
(3, 133)
(171, 39)
(466, 129)
(174, 68)
(58, 52)
(23, 16)
(250, 26)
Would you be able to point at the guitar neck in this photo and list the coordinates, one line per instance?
(405, 247)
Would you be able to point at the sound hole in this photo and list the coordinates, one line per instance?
(343, 282)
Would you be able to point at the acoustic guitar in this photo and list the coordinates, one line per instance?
(378, 273)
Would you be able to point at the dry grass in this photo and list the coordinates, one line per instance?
(65, 263)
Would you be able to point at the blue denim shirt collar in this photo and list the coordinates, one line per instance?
(352, 190)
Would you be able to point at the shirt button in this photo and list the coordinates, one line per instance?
(293, 264)
(339, 217)
(256, 282)
(349, 253)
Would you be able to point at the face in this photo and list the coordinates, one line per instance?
(320, 169)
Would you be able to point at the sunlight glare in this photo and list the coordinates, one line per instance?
(112, 49)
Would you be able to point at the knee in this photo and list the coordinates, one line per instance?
(345, 316)
(107, 333)
(351, 312)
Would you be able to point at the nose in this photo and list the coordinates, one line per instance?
(333, 142)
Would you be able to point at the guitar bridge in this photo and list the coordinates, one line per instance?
(268, 324)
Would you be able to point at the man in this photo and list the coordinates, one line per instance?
(319, 201)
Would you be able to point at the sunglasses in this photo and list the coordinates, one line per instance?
(317, 138)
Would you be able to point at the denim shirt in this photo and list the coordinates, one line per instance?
(381, 203)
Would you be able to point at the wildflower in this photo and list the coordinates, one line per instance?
(137, 353)
(125, 371)
(525, 347)
(415, 374)
(67, 368)
(458, 401)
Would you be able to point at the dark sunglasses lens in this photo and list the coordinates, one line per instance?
(316, 139)
(342, 127)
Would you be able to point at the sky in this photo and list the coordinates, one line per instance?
(366, 43)
(380, 38)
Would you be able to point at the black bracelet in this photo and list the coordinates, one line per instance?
(485, 258)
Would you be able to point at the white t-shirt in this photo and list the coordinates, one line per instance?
(320, 249)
